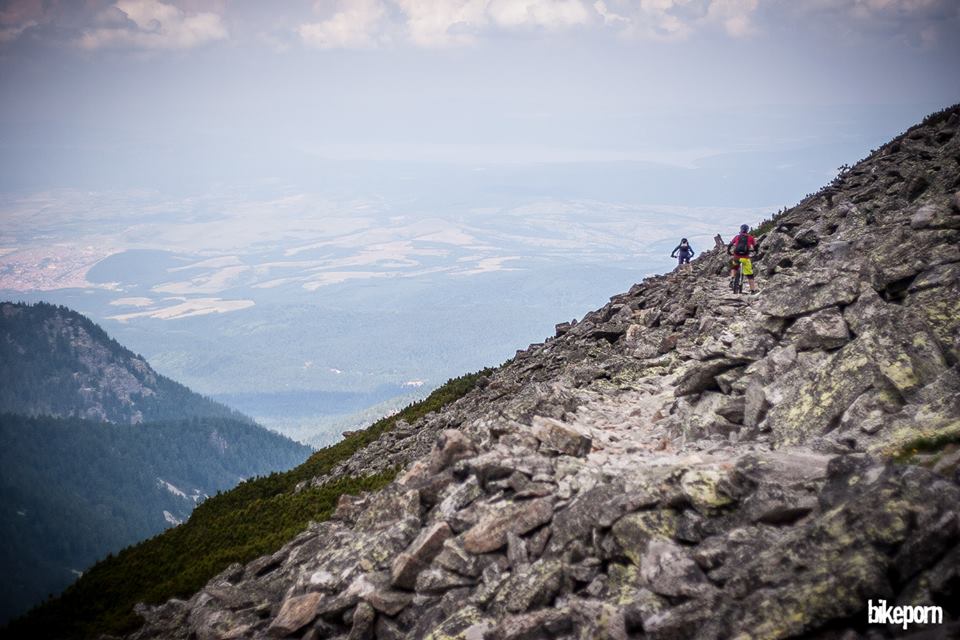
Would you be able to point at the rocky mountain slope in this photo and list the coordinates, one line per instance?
(682, 463)
(56, 362)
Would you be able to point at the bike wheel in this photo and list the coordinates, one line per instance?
(738, 283)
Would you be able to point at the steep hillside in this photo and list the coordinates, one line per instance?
(56, 362)
(682, 463)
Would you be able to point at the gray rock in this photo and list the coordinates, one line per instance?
(701, 377)
(668, 570)
(516, 550)
(530, 587)
(451, 446)
(808, 294)
(457, 497)
(559, 437)
(388, 601)
(419, 554)
(597, 508)
(825, 329)
(455, 558)
(532, 626)
(437, 580)
(295, 613)
(362, 624)
(490, 533)
(693, 619)
(923, 217)
(777, 505)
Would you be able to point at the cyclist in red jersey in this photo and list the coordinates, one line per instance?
(742, 245)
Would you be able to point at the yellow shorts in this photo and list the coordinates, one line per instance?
(746, 266)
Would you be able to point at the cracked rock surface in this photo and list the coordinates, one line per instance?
(681, 463)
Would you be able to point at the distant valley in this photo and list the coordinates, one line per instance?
(282, 304)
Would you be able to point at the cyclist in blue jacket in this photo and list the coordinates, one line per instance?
(683, 252)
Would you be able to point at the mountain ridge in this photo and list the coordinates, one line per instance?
(98, 451)
(55, 361)
(681, 463)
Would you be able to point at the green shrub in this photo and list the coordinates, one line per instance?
(924, 445)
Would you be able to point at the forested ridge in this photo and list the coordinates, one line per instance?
(74, 490)
(254, 518)
(55, 361)
(98, 451)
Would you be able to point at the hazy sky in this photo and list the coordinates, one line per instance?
(144, 93)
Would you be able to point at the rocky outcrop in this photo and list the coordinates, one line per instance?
(682, 463)
(56, 362)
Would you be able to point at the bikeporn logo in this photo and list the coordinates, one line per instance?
(905, 615)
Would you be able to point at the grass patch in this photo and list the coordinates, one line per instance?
(255, 518)
(921, 445)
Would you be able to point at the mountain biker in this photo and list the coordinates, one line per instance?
(742, 245)
(686, 252)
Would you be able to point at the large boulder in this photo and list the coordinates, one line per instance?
(895, 349)
(490, 533)
(559, 437)
(810, 292)
(825, 329)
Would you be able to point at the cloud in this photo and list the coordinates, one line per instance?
(357, 24)
(609, 17)
(18, 12)
(440, 23)
(9, 34)
(734, 15)
(151, 24)
(437, 23)
(921, 22)
(547, 14)
(677, 20)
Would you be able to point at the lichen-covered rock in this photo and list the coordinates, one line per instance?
(705, 489)
(530, 587)
(633, 532)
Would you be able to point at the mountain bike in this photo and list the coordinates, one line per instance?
(737, 283)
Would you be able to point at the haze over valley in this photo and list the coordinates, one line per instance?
(320, 212)
(315, 310)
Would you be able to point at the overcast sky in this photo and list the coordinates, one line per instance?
(144, 92)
